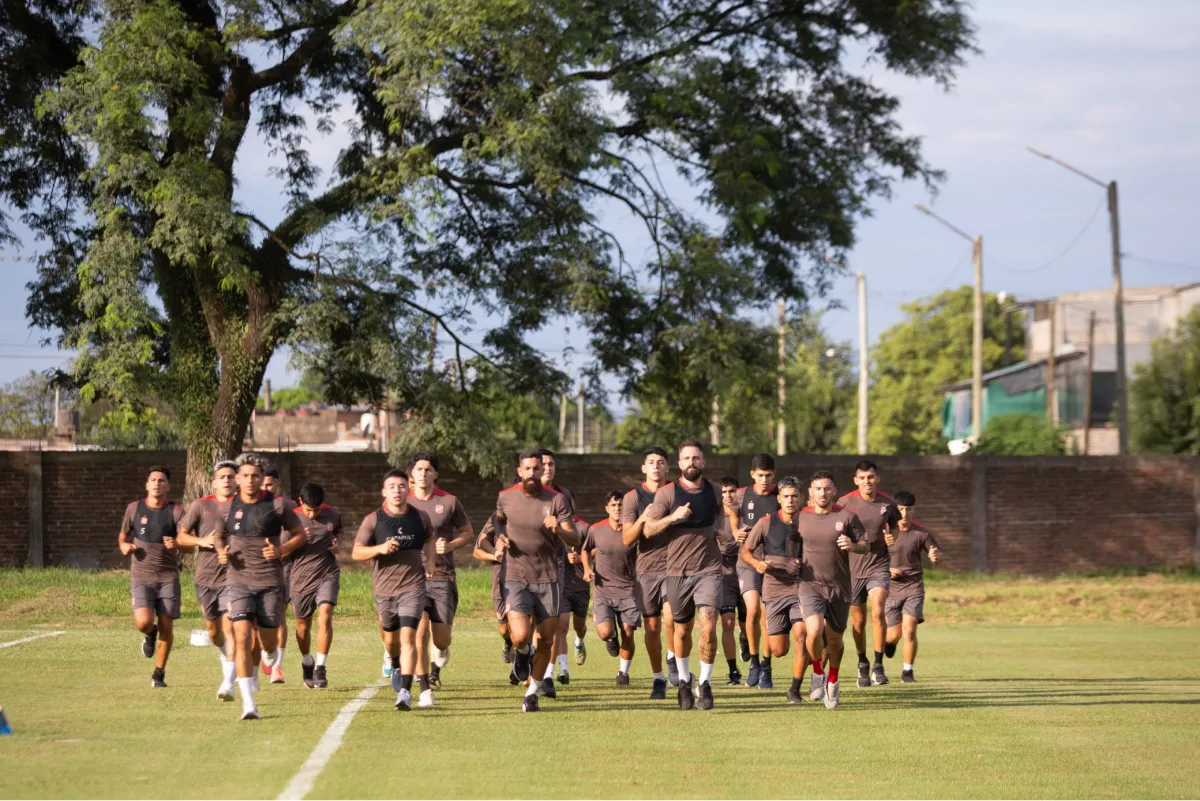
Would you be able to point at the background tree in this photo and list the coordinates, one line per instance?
(914, 360)
(484, 138)
(1164, 396)
(1021, 435)
(27, 407)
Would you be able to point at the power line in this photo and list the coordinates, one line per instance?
(1063, 252)
(966, 257)
(1158, 263)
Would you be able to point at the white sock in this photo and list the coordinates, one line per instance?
(306, 660)
(624, 668)
(685, 674)
(279, 656)
(247, 688)
(321, 659)
(578, 641)
(908, 665)
(706, 670)
(562, 664)
(228, 672)
(531, 689)
(670, 654)
(440, 657)
(386, 654)
(549, 671)
(658, 676)
(268, 660)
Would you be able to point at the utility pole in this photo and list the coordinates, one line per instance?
(562, 418)
(579, 415)
(714, 428)
(781, 426)
(1051, 383)
(864, 366)
(1087, 395)
(1118, 294)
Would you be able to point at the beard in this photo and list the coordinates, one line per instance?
(531, 486)
(692, 473)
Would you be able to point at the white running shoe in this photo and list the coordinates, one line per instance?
(831, 695)
(225, 691)
(426, 699)
(404, 701)
(817, 689)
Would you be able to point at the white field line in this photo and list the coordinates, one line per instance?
(11, 643)
(302, 783)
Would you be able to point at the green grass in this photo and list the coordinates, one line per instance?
(1107, 710)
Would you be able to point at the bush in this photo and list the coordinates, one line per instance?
(1020, 435)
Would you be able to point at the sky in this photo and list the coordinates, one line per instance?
(1105, 85)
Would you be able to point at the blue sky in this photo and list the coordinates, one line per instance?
(1107, 85)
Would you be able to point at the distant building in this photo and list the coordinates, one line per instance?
(318, 426)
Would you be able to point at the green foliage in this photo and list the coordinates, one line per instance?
(914, 360)
(1021, 435)
(27, 407)
(125, 429)
(1164, 396)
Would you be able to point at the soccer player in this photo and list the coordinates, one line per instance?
(196, 531)
(829, 533)
(274, 669)
(577, 597)
(611, 565)
(730, 538)
(869, 572)
(906, 602)
(147, 536)
(687, 512)
(315, 581)
(247, 540)
(487, 549)
(773, 549)
(754, 503)
(399, 539)
(651, 569)
(536, 519)
(549, 471)
(452, 530)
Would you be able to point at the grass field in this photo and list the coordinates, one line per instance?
(1027, 688)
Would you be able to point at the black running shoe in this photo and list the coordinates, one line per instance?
(507, 653)
(530, 704)
(435, 677)
(613, 646)
(158, 678)
(148, 643)
(754, 675)
(889, 649)
(546, 689)
(704, 696)
(908, 678)
(622, 679)
(521, 665)
(745, 646)
(764, 679)
(878, 676)
(864, 674)
(307, 671)
(686, 699)
(794, 697)
(735, 678)
(564, 678)
(659, 691)
(319, 680)
(512, 677)
(672, 672)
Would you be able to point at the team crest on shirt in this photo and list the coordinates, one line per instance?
(750, 505)
(839, 525)
(439, 509)
(238, 514)
(145, 520)
(883, 508)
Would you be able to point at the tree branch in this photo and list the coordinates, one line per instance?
(320, 38)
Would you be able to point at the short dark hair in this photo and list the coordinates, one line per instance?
(691, 442)
(866, 466)
(789, 482)
(221, 465)
(158, 468)
(544, 452)
(728, 481)
(273, 473)
(531, 453)
(395, 472)
(905, 498)
(820, 474)
(655, 451)
(423, 456)
(312, 495)
(613, 495)
(762, 461)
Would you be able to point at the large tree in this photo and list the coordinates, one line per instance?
(1164, 397)
(484, 139)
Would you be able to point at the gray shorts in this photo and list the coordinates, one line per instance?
(326, 593)
(214, 601)
(782, 614)
(576, 602)
(731, 593)
(539, 600)
(161, 596)
(441, 601)
(910, 605)
(749, 579)
(263, 606)
(685, 594)
(400, 611)
(287, 583)
(649, 593)
(860, 587)
(623, 609)
(826, 601)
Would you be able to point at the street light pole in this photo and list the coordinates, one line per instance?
(1118, 293)
(977, 329)
(864, 369)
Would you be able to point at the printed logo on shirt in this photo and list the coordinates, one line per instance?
(545, 511)
(883, 508)
(839, 525)
(439, 509)
(238, 514)
(145, 520)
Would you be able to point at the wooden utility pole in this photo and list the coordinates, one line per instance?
(1119, 321)
(864, 366)
(579, 415)
(781, 426)
(1087, 393)
(714, 428)
(562, 419)
(1051, 386)
(977, 344)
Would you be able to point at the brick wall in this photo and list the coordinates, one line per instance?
(1036, 515)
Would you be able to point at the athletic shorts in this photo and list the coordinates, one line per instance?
(649, 593)
(561, 586)
(826, 601)
(214, 601)
(576, 602)
(400, 611)
(911, 605)
(539, 600)
(441, 601)
(263, 606)
(498, 605)
(161, 596)
(749, 579)
(623, 609)
(782, 614)
(325, 593)
(859, 588)
(686, 593)
(287, 582)
(731, 594)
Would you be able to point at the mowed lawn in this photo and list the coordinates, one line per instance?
(1024, 691)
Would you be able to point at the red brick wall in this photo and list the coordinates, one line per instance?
(1044, 514)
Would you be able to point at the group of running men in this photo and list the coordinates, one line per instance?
(677, 554)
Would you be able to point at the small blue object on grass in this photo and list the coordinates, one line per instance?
(4, 727)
